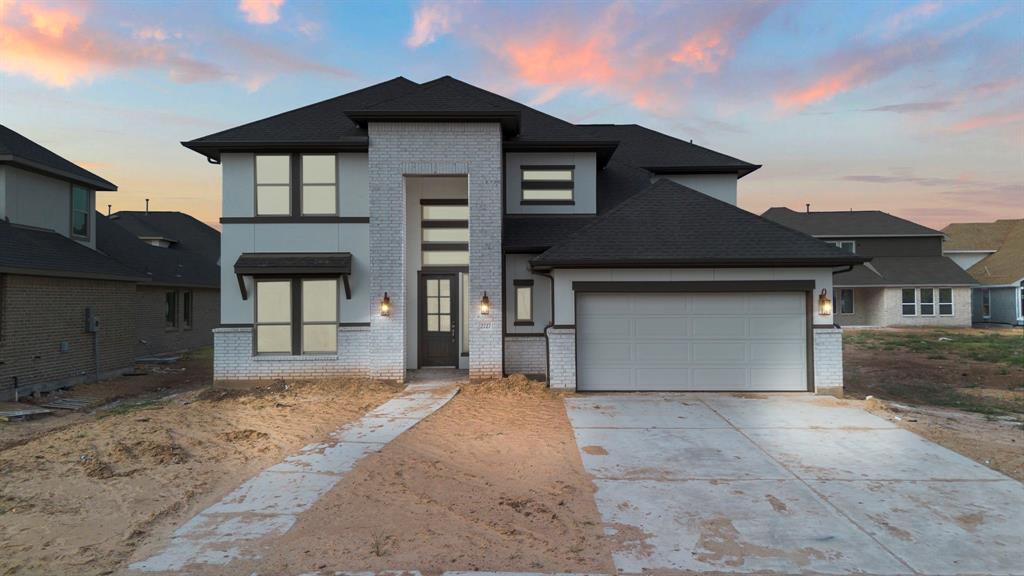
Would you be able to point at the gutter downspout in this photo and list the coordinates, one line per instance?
(547, 345)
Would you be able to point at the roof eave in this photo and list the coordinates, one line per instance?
(213, 148)
(509, 120)
(604, 148)
(701, 263)
(96, 183)
(739, 170)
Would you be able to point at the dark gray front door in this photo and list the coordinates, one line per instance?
(438, 326)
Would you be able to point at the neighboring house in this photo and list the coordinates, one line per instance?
(992, 253)
(62, 303)
(908, 282)
(409, 225)
(180, 305)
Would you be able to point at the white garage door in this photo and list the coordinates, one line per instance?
(691, 341)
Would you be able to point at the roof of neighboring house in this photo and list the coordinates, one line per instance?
(662, 154)
(905, 271)
(851, 223)
(682, 227)
(34, 251)
(191, 260)
(1005, 237)
(20, 151)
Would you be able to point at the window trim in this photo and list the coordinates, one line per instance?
(839, 244)
(296, 324)
(187, 309)
(302, 187)
(853, 306)
(569, 185)
(435, 247)
(904, 303)
(174, 324)
(921, 303)
(87, 212)
(294, 186)
(528, 320)
(939, 303)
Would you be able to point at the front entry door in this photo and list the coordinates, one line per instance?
(438, 318)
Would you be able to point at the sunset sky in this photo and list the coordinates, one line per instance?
(914, 108)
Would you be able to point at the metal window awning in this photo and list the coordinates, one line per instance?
(294, 264)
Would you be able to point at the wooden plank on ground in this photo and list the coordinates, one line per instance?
(14, 411)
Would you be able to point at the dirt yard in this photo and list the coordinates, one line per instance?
(492, 481)
(79, 492)
(962, 388)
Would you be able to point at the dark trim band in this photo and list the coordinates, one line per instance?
(522, 282)
(295, 220)
(444, 202)
(354, 324)
(548, 202)
(697, 286)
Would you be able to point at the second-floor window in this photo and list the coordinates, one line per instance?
(445, 240)
(296, 184)
(80, 211)
(547, 184)
(846, 245)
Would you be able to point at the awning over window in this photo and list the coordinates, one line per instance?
(294, 264)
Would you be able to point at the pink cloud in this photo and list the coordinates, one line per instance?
(907, 17)
(1000, 119)
(429, 22)
(261, 11)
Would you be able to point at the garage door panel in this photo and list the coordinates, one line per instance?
(609, 352)
(675, 352)
(614, 328)
(778, 352)
(607, 378)
(787, 379)
(780, 302)
(661, 378)
(716, 304)
(719, 378)
(661, 304)
(664, 327)
(778, 327)
(719, 351)
(603, 305)
(719, 327)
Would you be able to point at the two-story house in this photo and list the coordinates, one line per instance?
(409, 225)
(993, 254)
(907, 282)
(62, 314)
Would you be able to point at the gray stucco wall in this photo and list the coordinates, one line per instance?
(584, 181)
(720, 186)
(517, 267)
(1004, 304)
(41, 201)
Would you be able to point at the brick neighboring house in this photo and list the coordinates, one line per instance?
(993, 254)
(407, 225)
(52, 278)
(177, 309)
(907, 282)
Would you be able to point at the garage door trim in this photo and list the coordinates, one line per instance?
(626, 286)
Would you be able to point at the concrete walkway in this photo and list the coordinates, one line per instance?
(788, 484)
(269, 503)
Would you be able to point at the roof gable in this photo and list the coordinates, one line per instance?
(1006, 237)
(850, 223)
(664, 154)
(20, 151)
(191, 261)
(670, 225)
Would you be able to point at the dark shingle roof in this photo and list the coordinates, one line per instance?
(44, 252)
(671, 225)
(191, 261)
(663, 154)
(19, 150)
(906, 271)
(848, 223)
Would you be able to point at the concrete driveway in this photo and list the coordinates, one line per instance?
(788, 484)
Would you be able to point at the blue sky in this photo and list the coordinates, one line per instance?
(916, 108)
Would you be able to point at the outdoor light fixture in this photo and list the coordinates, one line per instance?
(385, 305)
(824, 304)
(485, 304)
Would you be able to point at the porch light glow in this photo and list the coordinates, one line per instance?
(385, 305)
(824, 304)
(485, 304)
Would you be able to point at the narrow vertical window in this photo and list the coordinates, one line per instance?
(273, 185)
(319, 184)
(319, 316)
(464, 314)
(986, 303)
(273, 316)
(186, 309)
(524, 302)
(846, 300)
(909, 302)
(171, 309)
(80, 211)
(945, 301)
(927, 302)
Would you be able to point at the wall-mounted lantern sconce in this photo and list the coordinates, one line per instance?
(824, 304)
(485, 304)
(385, 305)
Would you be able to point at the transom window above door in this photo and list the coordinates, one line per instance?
(548, 184)
(444, 232)
(296, 185)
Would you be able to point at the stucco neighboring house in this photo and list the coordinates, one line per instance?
(177, 309)
(411, 225)
(62, 316)
(907, 282)
(992, 253)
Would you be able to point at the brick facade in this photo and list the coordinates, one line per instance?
(153, 336)
(562, 358)
(526, 355)
(233, 357)
(828, 361)
(401, 149)
(43, 339)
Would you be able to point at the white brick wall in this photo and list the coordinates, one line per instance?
(434, 148)
(562, 358)
(233, 357)
(828, 360)
(892, 315)
(526, 355)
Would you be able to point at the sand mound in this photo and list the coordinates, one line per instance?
(513, 384)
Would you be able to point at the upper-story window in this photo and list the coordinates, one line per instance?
(846, 245)
(445, 236)
(294, 184)
(547, 184)
(80, 211)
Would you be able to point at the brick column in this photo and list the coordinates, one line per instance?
(828, 361)
(562, 358)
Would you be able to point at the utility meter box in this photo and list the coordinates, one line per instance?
(92, 321)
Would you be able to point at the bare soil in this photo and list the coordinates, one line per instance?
(492, 481)
(937, 383)
(80, 492)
